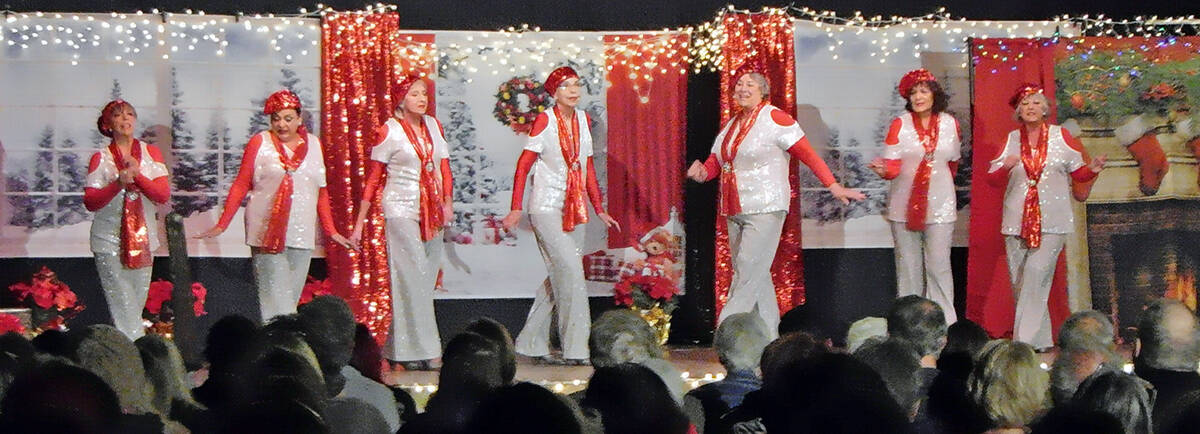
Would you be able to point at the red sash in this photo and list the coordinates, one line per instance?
(918, 198)
(274, 240)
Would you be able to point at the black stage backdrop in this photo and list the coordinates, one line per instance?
(843, 284)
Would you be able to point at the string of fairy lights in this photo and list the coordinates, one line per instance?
(146, 35)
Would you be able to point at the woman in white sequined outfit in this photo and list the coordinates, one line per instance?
(920, 157)
(416, 202)
(1039, 162)
(560, 153)
(125, 181)
(751, 155)
(284, 173)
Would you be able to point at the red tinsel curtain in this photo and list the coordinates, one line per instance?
(1001, 65)
(647, 127)
(764, 39)
(358, 54)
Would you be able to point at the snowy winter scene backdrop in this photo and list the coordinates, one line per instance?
(198, 96)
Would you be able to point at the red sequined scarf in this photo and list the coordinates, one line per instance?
(730, 203)
(574, 206)
(431, 217)
(274, 240)
(1033, 158)
(135, 238)
(918, 198)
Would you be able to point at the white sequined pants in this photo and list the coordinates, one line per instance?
(563, 289)
(280, 279)
(1031, 272)
(413, 266)
(923, 264)
(125, 291)
(753, 239)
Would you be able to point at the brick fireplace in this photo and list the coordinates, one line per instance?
(1140, 251)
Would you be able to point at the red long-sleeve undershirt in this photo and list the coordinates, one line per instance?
(525, 162)
(800, 150)
(157, 189)
(242, 183)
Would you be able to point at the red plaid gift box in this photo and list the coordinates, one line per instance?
(599, 266)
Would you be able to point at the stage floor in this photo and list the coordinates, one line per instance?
(699, 365)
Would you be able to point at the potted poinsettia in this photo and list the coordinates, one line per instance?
(51, 302)
(652, 297)
(159, 314)
(314, 288)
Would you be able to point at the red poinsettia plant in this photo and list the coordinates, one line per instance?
(157, 309)
(644, 291)
(314, 288)
(51, 302)
(10, 323)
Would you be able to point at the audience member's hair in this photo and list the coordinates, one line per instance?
(367, 358)
(799, 319)
(740, 340)
(354, 416)
(897, 363)
(16, 353)
(1072, 419)
(492, 329)
(470, 370)
(53, 342)
(1086, 330)
(283, 374)
(833, 393)
(165, 373)
(1124, 396)
(524, 408)
(1086, 346)
(620, 336)
(1183, 415)
(470, 361)
(228, 342)
(632, 399)
(789, 349)
(865, 330)
(60, 398)
(281, 415)
(328, 326)
(1169, 335)
(109, 354)
(965, 336)
(918, 320)
(1008, 384)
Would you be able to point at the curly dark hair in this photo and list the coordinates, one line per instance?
(940, 100)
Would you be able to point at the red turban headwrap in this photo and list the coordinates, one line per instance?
(913, 78)
(557, 77)
(1022, 92)
(281, 100)
(400, 90)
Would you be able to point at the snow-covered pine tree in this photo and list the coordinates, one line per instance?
(195, 172)
(69, 183)
(35, 209)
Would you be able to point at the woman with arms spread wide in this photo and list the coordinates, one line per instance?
(560, 153)
(284, 173)
(417, 198)
(920, 157)
(1039, 162)
(124, 182)
(751, 155)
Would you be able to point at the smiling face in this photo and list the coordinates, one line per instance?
(122, 121)
(921, 98)
(417, 99)
(748, 92)
(1032, 109)
(285, 122)
(567, 93)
